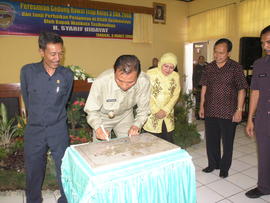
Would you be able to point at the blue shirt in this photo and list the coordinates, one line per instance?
(45, 96)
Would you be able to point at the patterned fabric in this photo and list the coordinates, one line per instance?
(222, 86)
(164, 94)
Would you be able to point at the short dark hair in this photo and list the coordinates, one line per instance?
(201, 57)
(49, 37)
(127, 64)
(226, 41)
(265, 30)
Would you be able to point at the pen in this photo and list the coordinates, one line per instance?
(104, 131)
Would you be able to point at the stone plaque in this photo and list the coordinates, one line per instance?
(123, 150)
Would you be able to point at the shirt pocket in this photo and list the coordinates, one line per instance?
(263, 81)
(109, 106)
(34, 95)
(61, 90)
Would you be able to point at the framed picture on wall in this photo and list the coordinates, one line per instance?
(159, 15)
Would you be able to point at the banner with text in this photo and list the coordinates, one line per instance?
(20, 18)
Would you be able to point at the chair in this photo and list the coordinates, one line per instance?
(10, 95)
(81, 89)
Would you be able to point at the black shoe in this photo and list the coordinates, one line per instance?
(208, 169)
(223, 174)
(254, 193)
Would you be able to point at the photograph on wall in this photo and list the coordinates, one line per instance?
(159, 15)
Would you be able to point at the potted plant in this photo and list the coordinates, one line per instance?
(79, 130)
(186, 133)
(7, 127)
(79, 73)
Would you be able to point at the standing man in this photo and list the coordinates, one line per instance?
(196, 78)
(45, 88)
(259, 104)
(154, 63)
(222, 98)
(112, 97)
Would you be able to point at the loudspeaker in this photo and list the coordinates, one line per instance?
(250, 50)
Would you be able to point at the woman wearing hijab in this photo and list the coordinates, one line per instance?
(165, 90)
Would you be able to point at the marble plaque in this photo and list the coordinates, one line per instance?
(123, 150)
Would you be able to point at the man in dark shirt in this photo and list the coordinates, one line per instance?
(45, 88)
(222, 98)
(196, 78)
(154, 63)
(260, 103)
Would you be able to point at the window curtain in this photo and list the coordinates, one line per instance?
(142, 28)
(254, 16)
(212, 24)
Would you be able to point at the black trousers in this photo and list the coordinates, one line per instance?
(38, 140)
(168, 136)
(197, 103)
(263, 146)
(217, 129)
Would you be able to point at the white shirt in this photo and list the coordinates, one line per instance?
(105, 96)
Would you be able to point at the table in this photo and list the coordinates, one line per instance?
(141, 169)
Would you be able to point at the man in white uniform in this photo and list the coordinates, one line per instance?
(113, 96)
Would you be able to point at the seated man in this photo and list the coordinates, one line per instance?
(112, 97)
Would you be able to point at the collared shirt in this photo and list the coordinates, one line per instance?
(222, 86)
(261, 81)
(105, 96)
(45, 96)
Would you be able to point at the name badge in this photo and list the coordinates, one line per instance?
(262, 75)
(111, 100)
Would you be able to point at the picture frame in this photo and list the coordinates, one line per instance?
(159, 15)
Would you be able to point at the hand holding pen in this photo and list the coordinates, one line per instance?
(102, 134)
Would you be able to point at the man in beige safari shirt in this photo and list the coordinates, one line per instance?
(112, 97)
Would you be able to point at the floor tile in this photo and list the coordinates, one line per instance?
(206, 195)
(202, 162)
(11, 197)
(266, 198)
(56, 194)
(198, 168)
(252, 172)
(47, 195)
(246, 148)
(252, 145)
(195, 155)
(225, 201)
(241, 198)
(206, 178)
(237, 154)
(242, 180)
(224, 188)
(201, 151)
(249, 159)
(49, 200)
(239, 165)
(244, 141)
(198, 184)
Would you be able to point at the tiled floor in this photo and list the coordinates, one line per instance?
(210, 187)
(242, 175)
